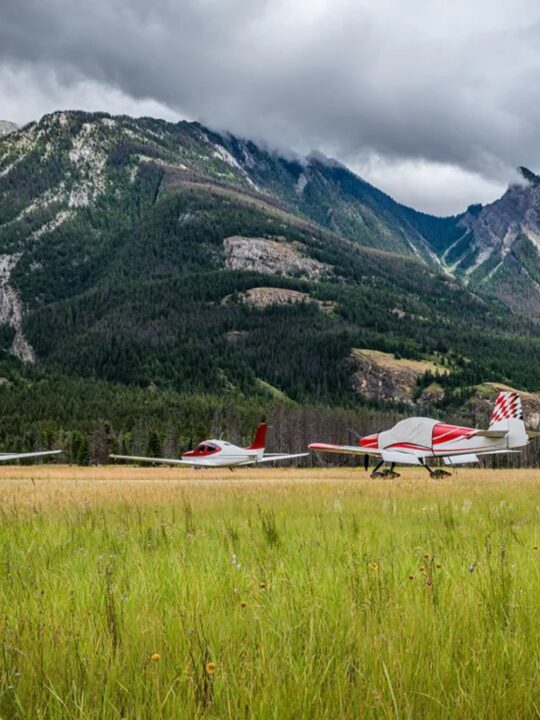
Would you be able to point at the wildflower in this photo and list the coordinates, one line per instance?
(535, 547)
(373, 566)
(243, 603)
(422, 568)
(210, 668)
(438, 565)
(234, 559)
(262, 585)
(426, 556)
(156, 657)
(411, 577)
(472, 566)
(428, 582)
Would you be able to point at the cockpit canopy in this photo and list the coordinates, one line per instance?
(414, 433)
(206, 448)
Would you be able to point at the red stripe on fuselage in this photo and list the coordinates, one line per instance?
(443, 433)
(409, 446)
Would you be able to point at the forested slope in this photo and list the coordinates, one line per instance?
(182, 281)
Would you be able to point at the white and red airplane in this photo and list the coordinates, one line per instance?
(218, 453)
(417, 440)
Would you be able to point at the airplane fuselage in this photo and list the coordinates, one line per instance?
(426, 438)
(217, 453)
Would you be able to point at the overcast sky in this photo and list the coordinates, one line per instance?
(433, 101)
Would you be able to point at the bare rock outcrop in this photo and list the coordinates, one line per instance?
(380, 376)
(11, 309)
(263, 297)
(271, 256)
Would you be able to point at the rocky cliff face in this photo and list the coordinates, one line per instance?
(11, 309)
(498, 250)
(381, 376)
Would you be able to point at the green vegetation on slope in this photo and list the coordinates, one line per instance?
(119, 233)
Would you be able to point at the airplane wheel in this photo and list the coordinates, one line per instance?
(385, 474)
(441, 473)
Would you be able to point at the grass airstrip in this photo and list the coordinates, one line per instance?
(276, 593)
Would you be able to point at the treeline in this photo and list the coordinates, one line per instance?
(90, 420)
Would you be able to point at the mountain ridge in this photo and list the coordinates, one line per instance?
(116, 229)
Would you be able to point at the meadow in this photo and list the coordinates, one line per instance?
(148, 593)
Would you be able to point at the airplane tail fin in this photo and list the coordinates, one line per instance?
(507, 416)
(507, 407)
(260, 438)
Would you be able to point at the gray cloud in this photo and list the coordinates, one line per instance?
(435, 102)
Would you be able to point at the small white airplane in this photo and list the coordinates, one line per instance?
(218, 453)
(416, 440)
(7, 457)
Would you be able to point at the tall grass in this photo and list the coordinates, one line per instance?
(275, 594)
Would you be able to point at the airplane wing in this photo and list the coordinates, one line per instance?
(491, 433)
(272, 458)
(460, 459)
(402, 458)
(344, 449)
(5, 457)
(168, 461)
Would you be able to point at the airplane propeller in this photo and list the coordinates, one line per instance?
(359, 437)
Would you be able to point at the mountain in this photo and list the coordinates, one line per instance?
(169, 259)
(498, 249)
(7, 127)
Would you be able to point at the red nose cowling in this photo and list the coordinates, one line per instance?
(370, 441)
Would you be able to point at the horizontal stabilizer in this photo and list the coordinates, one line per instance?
(390, 456)
(491, 433)
(533, 434)
(460, 459)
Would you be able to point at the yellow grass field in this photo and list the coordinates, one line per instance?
(274, 593)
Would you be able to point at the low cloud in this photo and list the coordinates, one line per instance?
(442, 95)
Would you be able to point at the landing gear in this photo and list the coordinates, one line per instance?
(440, 473)
(435, 474)
(386, 473)
(375, 472)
